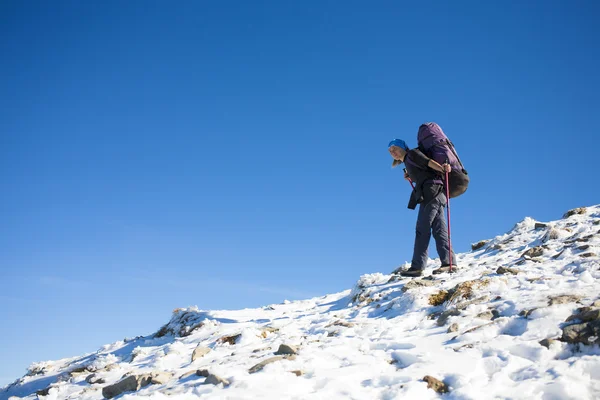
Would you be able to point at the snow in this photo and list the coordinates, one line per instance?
(377, 341)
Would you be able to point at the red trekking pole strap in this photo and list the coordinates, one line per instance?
(448, 211)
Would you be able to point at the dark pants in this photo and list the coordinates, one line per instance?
(431, 220)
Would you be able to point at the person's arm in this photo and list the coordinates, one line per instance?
(439, 168)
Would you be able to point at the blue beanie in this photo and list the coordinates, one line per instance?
(399, 143)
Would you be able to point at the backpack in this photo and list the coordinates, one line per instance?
(436, 145)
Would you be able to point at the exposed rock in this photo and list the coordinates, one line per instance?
(533, 252)
(586, 314)
(507, 270)
(297, 372)
(417, 283)
(110, 367)
(497, 246)
(453, 328)
(539, 225)
(266, 330)
(479, 245)
(215, 380)
(575, 211)
(93, 379)
(564, 299)
(485, 315)
(131, 383)
(584, 247)
(160, 378)
(465, 290)
(200, 351)
(585, 333)
(259, 350)
(585, 255)
(44, 392)
(188, 374)
(439, 298)
(286, 349)
(477, 327)
(464, 304)
(229, 339)
(345, 324)
(596, 303)
(262, 364)
(547, 342)
(554, 257)
(203, 372)
(447, 314)
(435, 384)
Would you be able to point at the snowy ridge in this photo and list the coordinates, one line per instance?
(478, 331)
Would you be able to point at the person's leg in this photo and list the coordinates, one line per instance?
(427, 213)
(440, 230)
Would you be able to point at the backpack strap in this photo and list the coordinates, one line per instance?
(451, 147)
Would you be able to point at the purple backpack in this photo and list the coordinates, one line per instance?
(436, 145)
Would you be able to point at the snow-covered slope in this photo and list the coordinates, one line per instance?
(478, 331)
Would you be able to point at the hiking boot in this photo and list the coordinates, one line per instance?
(445, 268)
(412, 272)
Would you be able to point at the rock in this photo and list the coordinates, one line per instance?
(447, 314)
(417, 283)
(297, 372)
(497, 247)
(453, 328)
(587, 314)
(479, 245)
(215, 380)
(131, 383)
(506, 270)
(188, 374)
(586, 333)
(464, 304)
(495, 314)
(229, 339)
(266, 330)
(200, 351)
(486, 315)
(439, 298)
(93, 379)
(564, 299)
(533, 252)
(539, 225)
(203, 372)
(575, 211)
(435, 384)
(547, 342)
(586, 255)
(262, 364)
(110, 367)
(160, 378)
(596, 303)
(286, 349)
(345, 324)
(584, 247)
(43, 392)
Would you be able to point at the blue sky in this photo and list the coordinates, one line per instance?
(233, 154)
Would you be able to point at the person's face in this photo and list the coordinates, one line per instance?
(396, 152)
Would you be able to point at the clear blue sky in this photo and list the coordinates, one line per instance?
(234, 154)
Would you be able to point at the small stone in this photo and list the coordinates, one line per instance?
(533, 252)
(286, 349)
(229, 339)
(131, 383)
(200, 351)
(596, 303)
(547, 342)
(564, 299)
(188, 374)
(160, 378)
(584, 247)
(495, 314)
(435, 384)
(215, 380)
(447, 314)
(265, 332)
(297, 372)
(43, 392)
(539, 225)
(453, 328)
(93, 379)
(497, 247)
(203, 372)
(417, 283)
(110, 367)
(506, 270)
(485, 315)
(479, 245)
(262, 364)
(575, 211)
(586, 255)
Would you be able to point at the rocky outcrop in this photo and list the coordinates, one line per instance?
(436, 384)
(575, 211)
(131, 383)
(199, 352)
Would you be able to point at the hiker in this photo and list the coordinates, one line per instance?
(429, 193)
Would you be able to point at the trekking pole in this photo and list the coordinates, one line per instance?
(410, 180)
(448, 200)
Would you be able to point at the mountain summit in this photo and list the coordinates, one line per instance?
(519, 319)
